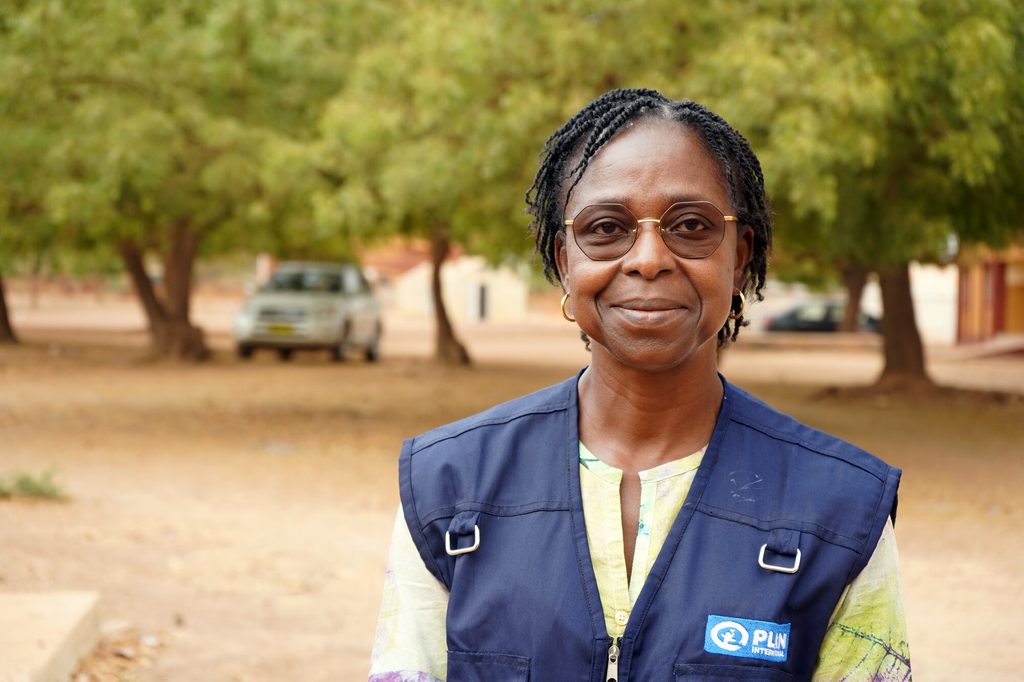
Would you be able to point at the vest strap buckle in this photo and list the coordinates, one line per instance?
(474, 546)
(775, 567)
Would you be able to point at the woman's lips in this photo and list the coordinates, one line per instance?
(649, 304)
(649, 312)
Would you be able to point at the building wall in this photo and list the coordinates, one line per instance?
(473, 292)
(991, 301)
(934, 291)
(975, 317)
(1014, 280)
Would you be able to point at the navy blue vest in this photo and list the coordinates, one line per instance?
(721, 602)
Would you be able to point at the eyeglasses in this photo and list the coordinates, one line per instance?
(690, 229)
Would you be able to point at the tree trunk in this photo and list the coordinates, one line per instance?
(171, 331)
(131, 256)
(855, 278)
(447, 348)
(6, 330)
(184, 339)
(904, 352)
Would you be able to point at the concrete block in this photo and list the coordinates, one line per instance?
(44, 635)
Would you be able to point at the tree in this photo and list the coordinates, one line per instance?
(164, 125)
(855, 279)
(25, 233)
(6, 330)
(436, 134)
(885, 129)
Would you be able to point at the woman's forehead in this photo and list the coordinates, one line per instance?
(650, 165)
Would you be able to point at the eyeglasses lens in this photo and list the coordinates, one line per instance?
(692, 229)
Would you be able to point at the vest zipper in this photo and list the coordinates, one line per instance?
(612, 674)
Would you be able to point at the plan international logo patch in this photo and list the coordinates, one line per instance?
(747, 638)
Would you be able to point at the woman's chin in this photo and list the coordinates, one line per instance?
(656, 355)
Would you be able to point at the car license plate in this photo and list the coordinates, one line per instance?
(281, 329)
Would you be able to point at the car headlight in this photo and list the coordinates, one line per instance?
(245, 320)
(244, 314)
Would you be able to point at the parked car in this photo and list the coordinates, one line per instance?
(311, 306)
(818, 316)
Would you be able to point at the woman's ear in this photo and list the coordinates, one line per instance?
(744, 252)
(562, 260)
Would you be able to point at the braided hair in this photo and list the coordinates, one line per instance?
(569, 150)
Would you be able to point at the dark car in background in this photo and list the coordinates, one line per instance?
(818, 316)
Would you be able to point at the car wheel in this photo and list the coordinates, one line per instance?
(244, 352)
(338, 352)
(372, 352)
(285, 354)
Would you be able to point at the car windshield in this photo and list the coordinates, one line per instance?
(313, 281)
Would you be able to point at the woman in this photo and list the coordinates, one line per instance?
(644, 520)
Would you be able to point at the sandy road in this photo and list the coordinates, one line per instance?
(240, 511)
(251, 503)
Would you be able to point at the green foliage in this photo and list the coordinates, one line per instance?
(127, 120)
(41, 486)
(884, 127)
(443, 117)
(306, 127)
(797, 265)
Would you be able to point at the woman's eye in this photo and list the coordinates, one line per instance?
(608, 228)
(688, 224)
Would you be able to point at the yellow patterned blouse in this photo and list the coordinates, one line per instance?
(866, 639)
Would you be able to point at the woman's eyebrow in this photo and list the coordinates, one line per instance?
(662, 198)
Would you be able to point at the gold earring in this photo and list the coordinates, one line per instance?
(565, 299)
(743, 306)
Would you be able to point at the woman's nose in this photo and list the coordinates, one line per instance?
(649, 256)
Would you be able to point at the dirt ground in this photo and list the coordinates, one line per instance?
(234, 516)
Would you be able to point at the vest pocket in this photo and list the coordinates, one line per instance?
(466, 666)
(703, 672)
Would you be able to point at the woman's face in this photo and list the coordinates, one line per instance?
(652, 309)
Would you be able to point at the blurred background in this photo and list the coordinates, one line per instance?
(246, 247)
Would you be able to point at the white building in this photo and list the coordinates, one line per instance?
(473, 291)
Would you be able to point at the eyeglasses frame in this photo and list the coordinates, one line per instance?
(725, 218)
